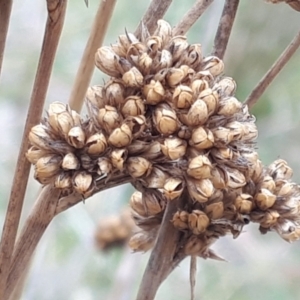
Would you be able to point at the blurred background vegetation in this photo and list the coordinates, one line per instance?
(67, 264)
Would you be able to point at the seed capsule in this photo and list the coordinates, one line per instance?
(218, 178)
(268, 183)
(214, 210)
(194, 246)
(141, 241)
(154, 92)
(243, 203)
(63, 181)
(264, 199)
(76, 137)
(133, 106)
(192, 57)
(83, 184)
(145, 63)
(198, 113)
(198, 221)
(39, 137)
(104, 166)
(211, 98)
(229, 106)
(96, 144)
(270, 218)
(214, 65)
(226, 86)
(156, 179)
(34, 154)
(174, 148)
(136, 124)
(105, 60)
(222, 135)
(173, 188)
(200, 190)
(183, 96)
(138, 166)
(180, 220)
(70, 162)
(175, 76)
(120, 137)
(154, 43)
(118, 157)
(165, 119)
(234, 178)
(114, 93)
(200, 167)
(133, 78)
(202, 138)
(199, 85)
(178, 46)
(109, 118)
(279, 169)
(164, 31)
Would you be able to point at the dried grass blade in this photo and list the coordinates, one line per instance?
(55, 20)
(224, 28)
(273, 72)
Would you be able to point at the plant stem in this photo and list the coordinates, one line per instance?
(35, 226)
(191, 17)
(86, 68)
(161, 260)
(56, 13)
(225, 27)
(155, 11)
(273, 71)
(5, 11)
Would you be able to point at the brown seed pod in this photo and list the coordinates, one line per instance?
(180, 220)
(104, 166)
(76, 137)
(133, 106)
(156, 179)
(226, 86)
(114, 91)
(286, 189)
(165, 119)
(198, 221)
(63, 180)
(39, 137)
(218, 178)
(183, 96)
(138, 167)
(192, 57)
(200, 190)
(264, 199)
(133, 78)
(109, 118)
(105, 60)
(214, 210)
(173, 188)
(174, 148)
(175, 76)
(34, 154)
(154, 43)
(200, 167)
(198, 113)
(222, 154)
(202, 138)
(194, 245)
(211, 98)
(279, 169)
(145, 63)
(137, 125)
(178, 45)
(118, 158)
(142, 241)
(83, 183)
(222, 135)
(164, 31)
(229, 106)
(244, 203)
(70, 162)
(197, 86)
(269, 219)
(184, 132)
(96, 144)
(268, 183)
(154, 92)
(234, 178)
(214, 65)
(121, 136)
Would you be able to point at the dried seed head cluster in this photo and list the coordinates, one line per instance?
(168, 118)
(295, 4)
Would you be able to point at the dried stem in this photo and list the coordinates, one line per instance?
(155, 11)
(225, 26)
(193, 270)
(273, 72)
(35, 226)
(191, 17)
(163, 255)
(5, 10)
(55, 20)
(86, 68)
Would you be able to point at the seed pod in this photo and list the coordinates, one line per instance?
(141, 241)
(47, 167)
(198, 113)
(133, 106)
(120, 137)
(63, 181)
(214, 210)
(83, 184)
(124, 42)
(138, 166)
(39, 137)
(96, 144)
(200, 190)
(180, 220)
(218, 178)
(173, 188)
(178, 46)
(154, 151)
(286, 189)
(114, 93)
(174, 148)
(56, 108)
(133, 78)
(76, 137)
(94, 100)
(256, 172)
(175, 76)
(289, 231)
(202, 138)
(250, 131)
(136, 124)
(226, 87)
(237, 130)
(268, 183)
(165, 61)
(200, 167)
(154, 43)
(109, 118)
(104, 166)
(234, 178)
(165, 119)
(118, 157)
(194, 246)
(229, 106)
(183, 96)
(198, 221)
(192, 57)
(137, 204)
(34, 154)
(184, 132)
(211, 98)
(105, 60)
(222, 135)
(214, 65)
(70, 162)
(145, 63)
(264, 199)
(164, 31)
(270, 218)
(222, 154)
(279, 169)
(199, 85)
(243, 203)
(154, 92)
(156, 179)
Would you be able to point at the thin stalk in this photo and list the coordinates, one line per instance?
(193, 270)
(155, 11)
(161, 261)
(86, 68)
(273, 71)
(5, 11)
(225, 27)
(191, 17)
(55, 20)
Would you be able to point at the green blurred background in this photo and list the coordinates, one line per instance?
(67, 265)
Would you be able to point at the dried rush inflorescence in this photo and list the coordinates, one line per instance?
(168, 119)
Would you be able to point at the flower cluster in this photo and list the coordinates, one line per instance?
(168, 118)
